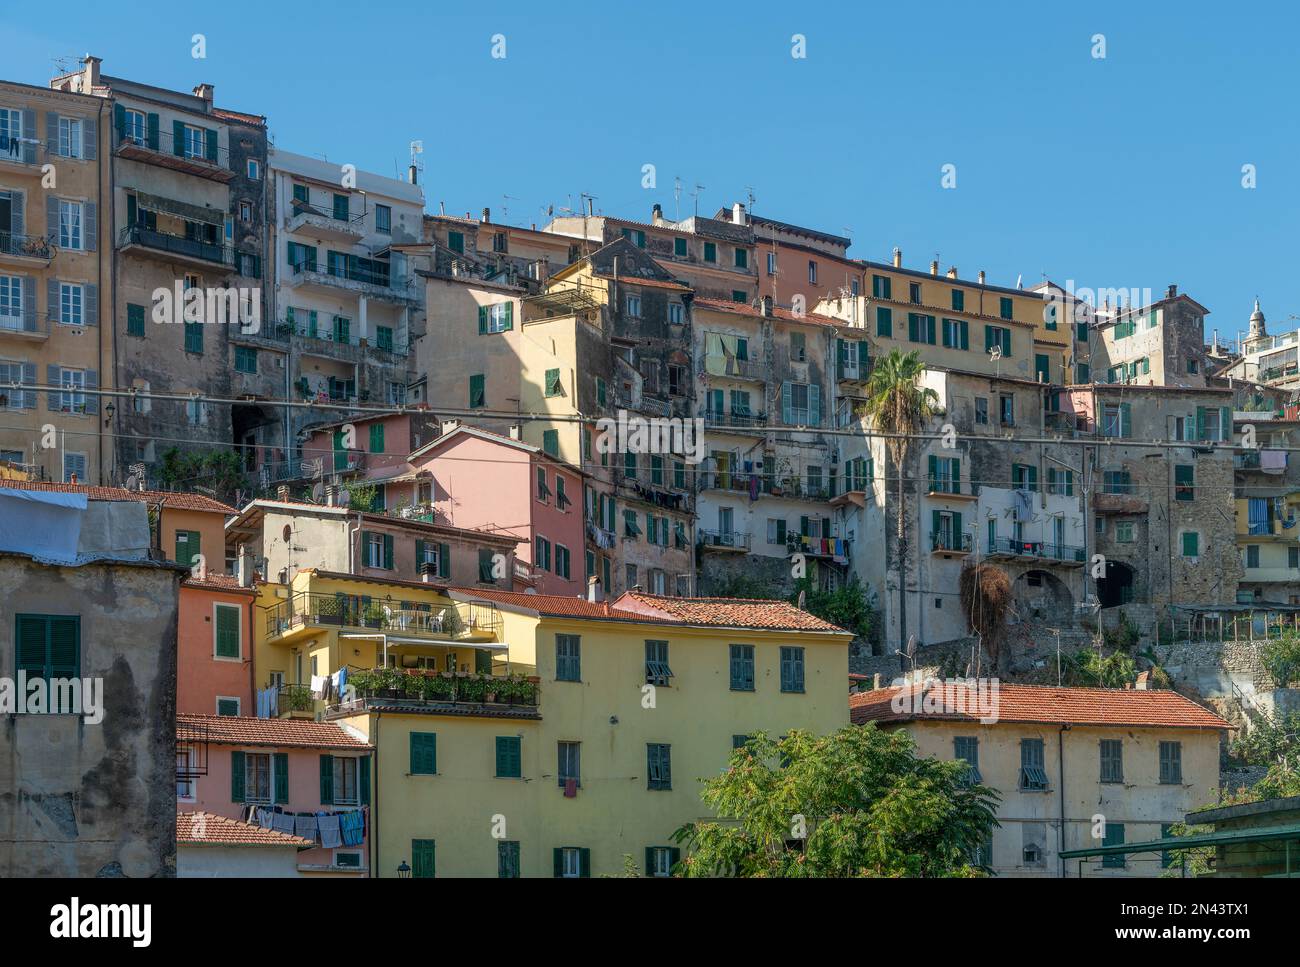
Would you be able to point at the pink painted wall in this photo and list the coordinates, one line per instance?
(490, 485)
(398, 443)
(212, 791)
(200, 675)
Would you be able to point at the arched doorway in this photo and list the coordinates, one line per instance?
(1116, 587)
(1042, 596)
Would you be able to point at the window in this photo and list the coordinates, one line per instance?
(383, 219)
(193, 337)
(659, 770)
(346, 790)
(798, 347)
(1124, 531)
(742, 258)
(257, 776)
(568, 658)
(884, 322)
(982, 410)
(657, 671)
(71, 302)
(1191, 544)
(1184, 482)
(1171, 763)
(74, 465)
(486, 567)
(377, 549)
(791, 668)
(553, 385)
(742, 656)
(72, 399)
(542, 553)
(422, 859)
(771, 263)
(456, 242)
(710, 252)
(738, 295)
(812, 272)
(633, 309)
(1005, 307)
(225, 632)
(1252, 555)
(660, 860)
(1060, 482)
(1116, 482)
(48, 646)
(881, 287)
(477, 391)
(562, 561)
(958, 300)
(679, 248)
(920, 328)
(997, 338)
(70, 222)
(193, 142)
(254, 170)
(1112, 760)
(245, 359)
(675, 313)
(509, 757)
(134, 127)
(508, 859)
(570, 762)
(1007, 409)
(945, 475)
(1033, 777)
(967, 747)
(1116, 420)
(1114, 837)
(956, 334)
(572, 862)
(69, 137)
(551, 442)
(1024, 477)
(423, 753)
(1293, 557)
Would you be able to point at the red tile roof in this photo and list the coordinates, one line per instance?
(727, 612)
(177, 501)
(208, 829)
(745, 309)
(1044, 704)
(558, 605)
(218, 582)
(280, 733)
(639, 280)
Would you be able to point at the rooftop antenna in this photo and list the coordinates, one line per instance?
(417, 149)
(505, 208)
(677, 198)
(749, 194)
(696, 195)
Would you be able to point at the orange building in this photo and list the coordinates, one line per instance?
(214, 647)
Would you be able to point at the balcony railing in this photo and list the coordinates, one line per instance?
(23, 325)
(418, 688)
(207, 160)
(303, 214)
(457, 621)
(727, 540)
(743, 418)
(1038, 550)
(177, 245)
(26, 246)
(957, 543)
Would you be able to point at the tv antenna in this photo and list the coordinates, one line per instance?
(696, 195)
(417, 149)
(677, 198)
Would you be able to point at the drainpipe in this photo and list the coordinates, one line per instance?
(112, 309)
(1060, 759)
(352, 534)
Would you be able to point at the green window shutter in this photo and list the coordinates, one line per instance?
(482, 320)
(649, 861)
(551, 442)
(1191, 544)
(584, 862)
(884, 322)
(424, 753)
(1225, 423)
(477, 391)
(281, 760)
(989, 337)
(1006, 343)
(444, 560)
(236, 777)
(65, 647)
(30, 648)
(1126, 419)
(964, 331)
(388, 551)
(932, 465)
(152, 137)
(934, 523)
(376, 438)
(227, 644)
(557, 857)
(327, 779)
(423, 864)
(552, 382)
(509, 757)
(1033, 479)
(134, 320)
(419, 554)
(956, 529)
(119, 121)
(178, 137)
(913, 326)
(1200, 423)
(363, 778)
(956, 475)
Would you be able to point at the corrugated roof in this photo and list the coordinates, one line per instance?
(1043, 704)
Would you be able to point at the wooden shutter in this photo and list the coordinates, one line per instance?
(388, 551)
(1125, 419)
(227, 631)
(152, 136)
(281, 760)
(557, 857)
(363, 779)
(236, 777)
(584, 862)
(444, 560)
(30, 649)
(424, 753)
(482, 320)
(178, 137)
(210, 144)
(327, 780)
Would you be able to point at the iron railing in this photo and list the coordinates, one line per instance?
(455, 621)
(26, 246)
(728, 539)
(177, 245)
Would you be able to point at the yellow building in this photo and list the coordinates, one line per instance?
(571, 733)
(1269, 540)
(1074, 767)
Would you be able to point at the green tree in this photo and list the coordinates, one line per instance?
(219, 471)
(864, 802)
(897, 403)
(1089, 669)
(847, 605)
(1281, 659)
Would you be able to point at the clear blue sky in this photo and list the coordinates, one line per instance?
(1123, 172)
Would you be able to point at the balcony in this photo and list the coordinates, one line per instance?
(319, 223)
(24, 327)
(822, 547)
(1253, 460)
(175, 248)
(1007, 548)
(441, 693)
(1118, 503)
(23, 153)
(34, 250)
(941, 543)
(372, 282)
(456, 621)
(712, 540)
(213, 164)
(741, 421)
(852, 372)
(324, 341)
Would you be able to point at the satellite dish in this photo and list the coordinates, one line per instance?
(317, 492)
(345, 497)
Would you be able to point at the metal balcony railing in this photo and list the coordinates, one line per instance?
(730, 540)
(419, 687)
(939, 541)
(1039, 550)
(458, 620)
(745, 418)
(26, 246)
(177, 245)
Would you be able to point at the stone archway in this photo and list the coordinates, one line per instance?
(1116, 587)
(1041, 596)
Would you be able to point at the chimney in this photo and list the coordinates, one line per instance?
(411, 175)
(594, 593)
(657, 214)
(934, 267)
(244, 566)
(331, 495)
(981, 276)
(952, 272)
(282, 492)
(875, 678)
(898, 257)
(738, 214)
(90, 73)
(1172, 291)
(767, 305)
(204, 91)
(487, 215)
(449, 425)
(516, 432)
(73, 478)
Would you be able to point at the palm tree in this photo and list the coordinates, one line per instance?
(897, 403)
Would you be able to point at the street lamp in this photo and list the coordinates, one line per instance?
(403, 871)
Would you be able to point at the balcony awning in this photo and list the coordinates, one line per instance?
(387, 639)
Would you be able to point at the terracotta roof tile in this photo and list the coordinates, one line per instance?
(178, 501)
(745, 309)
(559, 606)
(279, 733)
(727, 612)
(209, 829)
(638, 280)
(219, 582)
(1047, 704)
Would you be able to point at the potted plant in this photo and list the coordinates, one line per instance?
(373, 616)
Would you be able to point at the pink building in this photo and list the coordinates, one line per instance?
(486, 482)
(309, 779)
(377, 451)
(214, 647)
